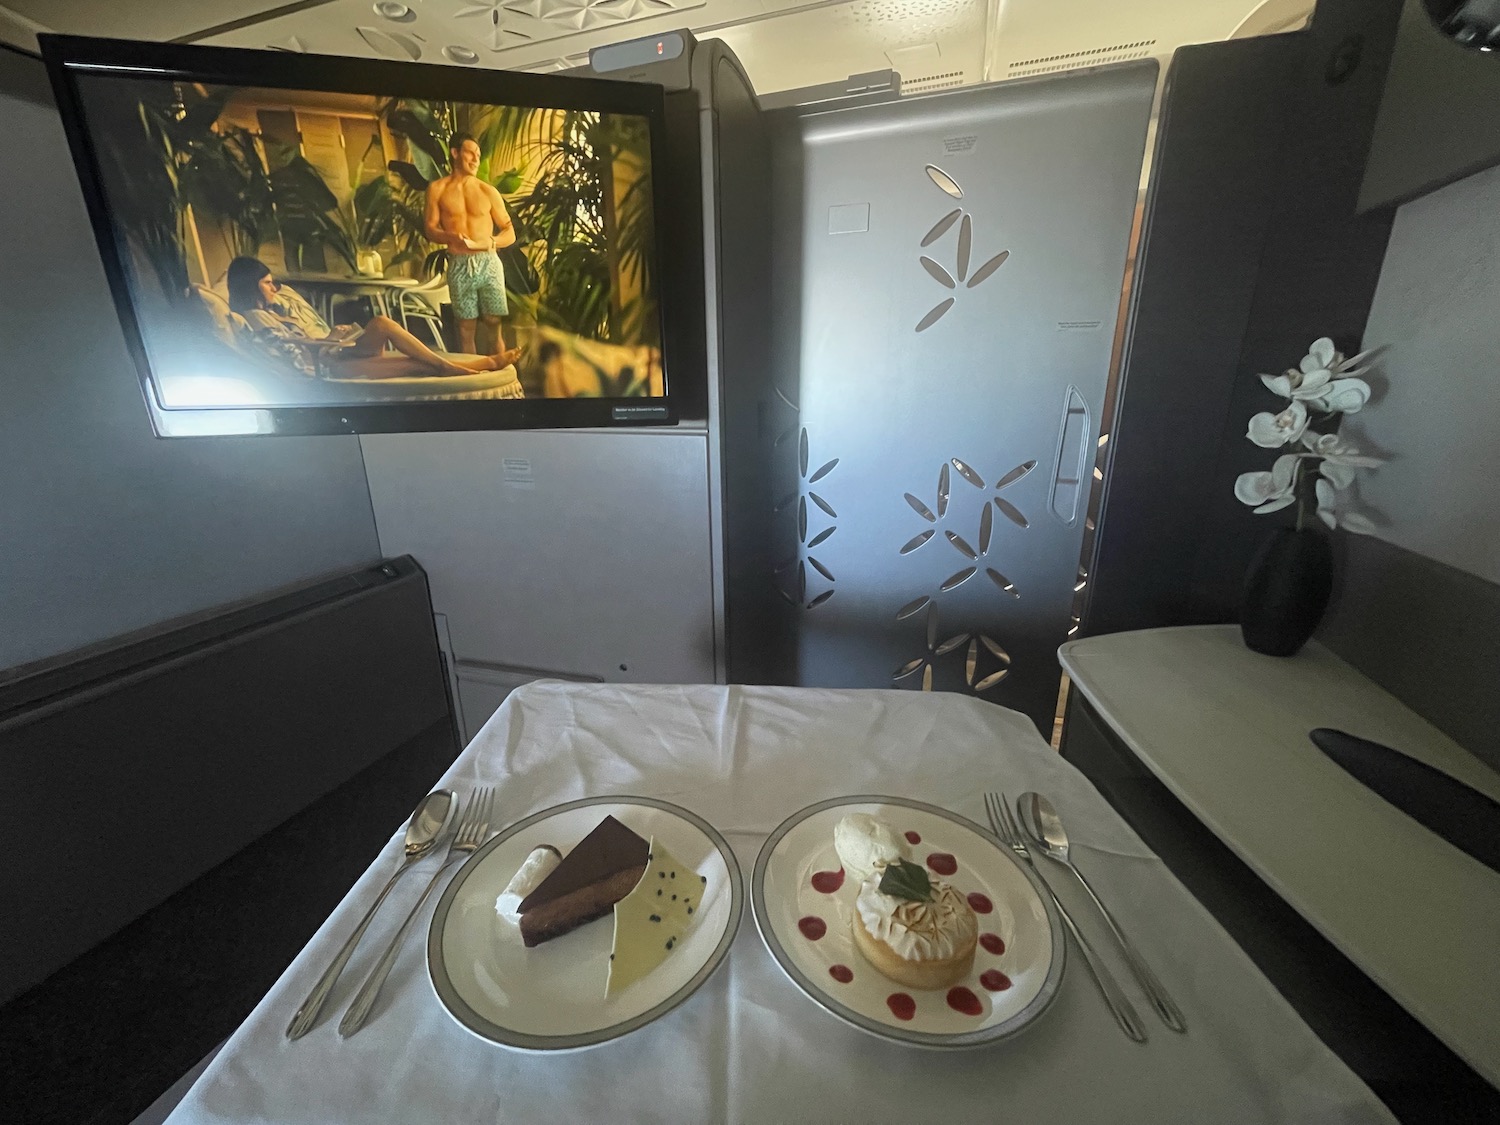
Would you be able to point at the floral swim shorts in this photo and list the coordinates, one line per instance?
(476, 283)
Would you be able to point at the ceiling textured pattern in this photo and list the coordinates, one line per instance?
(783, 44)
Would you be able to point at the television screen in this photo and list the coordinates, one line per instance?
(338, 245)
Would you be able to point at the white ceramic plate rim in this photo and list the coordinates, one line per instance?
(932, 1040)
(503, 1036)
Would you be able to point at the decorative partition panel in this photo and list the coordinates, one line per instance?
(947, 275)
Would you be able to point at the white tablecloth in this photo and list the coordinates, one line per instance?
(749, 1047)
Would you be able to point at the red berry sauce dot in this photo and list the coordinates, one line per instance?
(994, 980)
(942, 863)
(902, 1006)
(828, 881)
(913, 838)
(841, 973)
(812, 927)
(992, 943)
(960, 999)
(980, 904)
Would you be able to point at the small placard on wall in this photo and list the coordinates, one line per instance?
(516, 470)
(849, 218)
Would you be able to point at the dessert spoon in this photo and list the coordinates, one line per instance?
(427, 824)
(1041, 822)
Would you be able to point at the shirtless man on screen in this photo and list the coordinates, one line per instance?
(467, 215)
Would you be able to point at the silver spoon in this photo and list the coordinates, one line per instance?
(1042, 824)
(427, 824)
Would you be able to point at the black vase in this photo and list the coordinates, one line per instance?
(1286, 591)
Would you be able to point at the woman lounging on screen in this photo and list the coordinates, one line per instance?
(285, 325)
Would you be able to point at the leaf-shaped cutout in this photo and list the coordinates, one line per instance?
(782, 395)
(912, 608)
(944, 181)
(916, 541)
(954, 581)
(785, 565)
(971, 662)
(968, 473)
(821, 569)
(940, 227)
(1003, 582)
(932, 624)
(824, 504)
(958, 541)
(942, 499)
(938, 273)
(1011, 512)
(927, 678)
(965, 246)
(781, 437)
(785, 502)
(1015, 474)
(991, 680)
(935, 314)
(988, 268)
(825, 533)
(908, 668)
(789, 599)
(820, 599)
(802, 453)
(986, 529)
(822, 472)
(801, 582)
(952, 643)
(802, 521)
(920, 508)
(995, 649)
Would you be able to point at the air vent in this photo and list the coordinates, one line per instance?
(1049, 64)
(932, 82)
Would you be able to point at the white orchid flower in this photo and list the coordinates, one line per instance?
(1340, 457)
(1292, 383)
(1342, 396)
(1271, 431)
(1269, 492)
(1329, 514)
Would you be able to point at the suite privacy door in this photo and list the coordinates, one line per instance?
(946, 283)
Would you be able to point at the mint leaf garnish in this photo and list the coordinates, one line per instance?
(906, 880)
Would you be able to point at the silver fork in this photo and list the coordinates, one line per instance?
(473, 828)
(1004, 825)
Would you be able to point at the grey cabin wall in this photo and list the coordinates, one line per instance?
(1418, 608)
(104, 528)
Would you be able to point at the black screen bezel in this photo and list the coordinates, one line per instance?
(69, 56)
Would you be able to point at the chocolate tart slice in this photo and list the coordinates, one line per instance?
(602, 869)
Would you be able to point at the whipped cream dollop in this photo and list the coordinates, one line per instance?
(865, 844)
(540, 863)
(918, 931)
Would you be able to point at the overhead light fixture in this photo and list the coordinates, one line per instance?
(458, 54)
(395, 11)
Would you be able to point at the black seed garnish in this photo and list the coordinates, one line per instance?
(669, 942)
(658, 892)
(611, 956)
(674, 898)
(674, 874)
(703, 878)
(661, 874)
(656, 917)
(690, 910)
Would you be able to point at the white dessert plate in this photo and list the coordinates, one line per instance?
(551, 997)
(981, 1008)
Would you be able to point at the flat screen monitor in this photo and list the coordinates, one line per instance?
(304, 244)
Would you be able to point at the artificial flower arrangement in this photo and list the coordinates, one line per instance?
(1318, 390)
